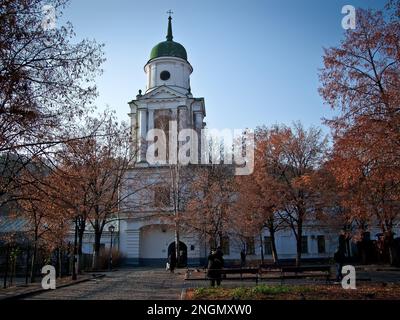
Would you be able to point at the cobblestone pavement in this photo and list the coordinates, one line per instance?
(132, 284)
(20, 290)
(380, 276)
(158, 284)
(126, 284)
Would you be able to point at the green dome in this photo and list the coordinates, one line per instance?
(168, 48)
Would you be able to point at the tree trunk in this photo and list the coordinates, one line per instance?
(96, 250)
(389, 240)
(80, 244)
(205, 250)
(6, 266)
(28, 254)
(13, 268)
(262, 249)
(299, 244)
(33, 261)
(177, 249)
(75, 250)
(59, 262)
(221, 239)
(273, 243)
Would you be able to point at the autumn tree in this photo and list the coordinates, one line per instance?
(98, 165)
(369, 188)
(291, 157)
(70, 190)
(46, 224)
(209, 207)
(361, 80)
(259, 199)
(253, 212)
(46, 83)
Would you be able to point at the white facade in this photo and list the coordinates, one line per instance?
(147, 242)
(145, 232)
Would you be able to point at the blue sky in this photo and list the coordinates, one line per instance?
(255, 62)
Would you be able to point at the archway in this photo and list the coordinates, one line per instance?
(183, 253)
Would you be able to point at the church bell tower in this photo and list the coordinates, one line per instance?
(167, 96)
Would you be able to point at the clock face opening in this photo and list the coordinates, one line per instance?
(165, 75)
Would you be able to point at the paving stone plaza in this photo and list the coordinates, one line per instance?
(158, 284)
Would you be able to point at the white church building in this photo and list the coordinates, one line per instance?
(145, 230)
(144, 236)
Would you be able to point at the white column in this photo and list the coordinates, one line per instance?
(151, 119)
(133, 140)
(132, 246)
(198, 120)
(198, 125)
(182, 117)
(150, 126)
(133, 124)
(142, 133)
(173, 137)
(174, 114)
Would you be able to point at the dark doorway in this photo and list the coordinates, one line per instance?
(183, 253)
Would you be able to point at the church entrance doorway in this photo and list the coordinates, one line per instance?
(182, 253)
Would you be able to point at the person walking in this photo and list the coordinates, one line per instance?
(220, 255)
(172, 261)
(339, 258)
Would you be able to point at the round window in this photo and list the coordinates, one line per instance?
(165, 75)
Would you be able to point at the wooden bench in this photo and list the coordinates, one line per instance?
(284, 272)
(242, 272)
(304, 272)
(254, 272)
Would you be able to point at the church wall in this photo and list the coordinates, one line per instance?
(286, 246)
(146, 242)
(147, 245)
(154, 242)
(193, 247)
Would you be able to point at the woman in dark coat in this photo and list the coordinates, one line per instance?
(215, 264)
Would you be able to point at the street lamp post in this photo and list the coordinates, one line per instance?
(74, 266)
(111, 230)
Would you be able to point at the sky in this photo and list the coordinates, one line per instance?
(255, 61)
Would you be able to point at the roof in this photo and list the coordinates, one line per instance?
(169, 48)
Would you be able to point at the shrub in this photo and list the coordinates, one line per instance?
(104, 258)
